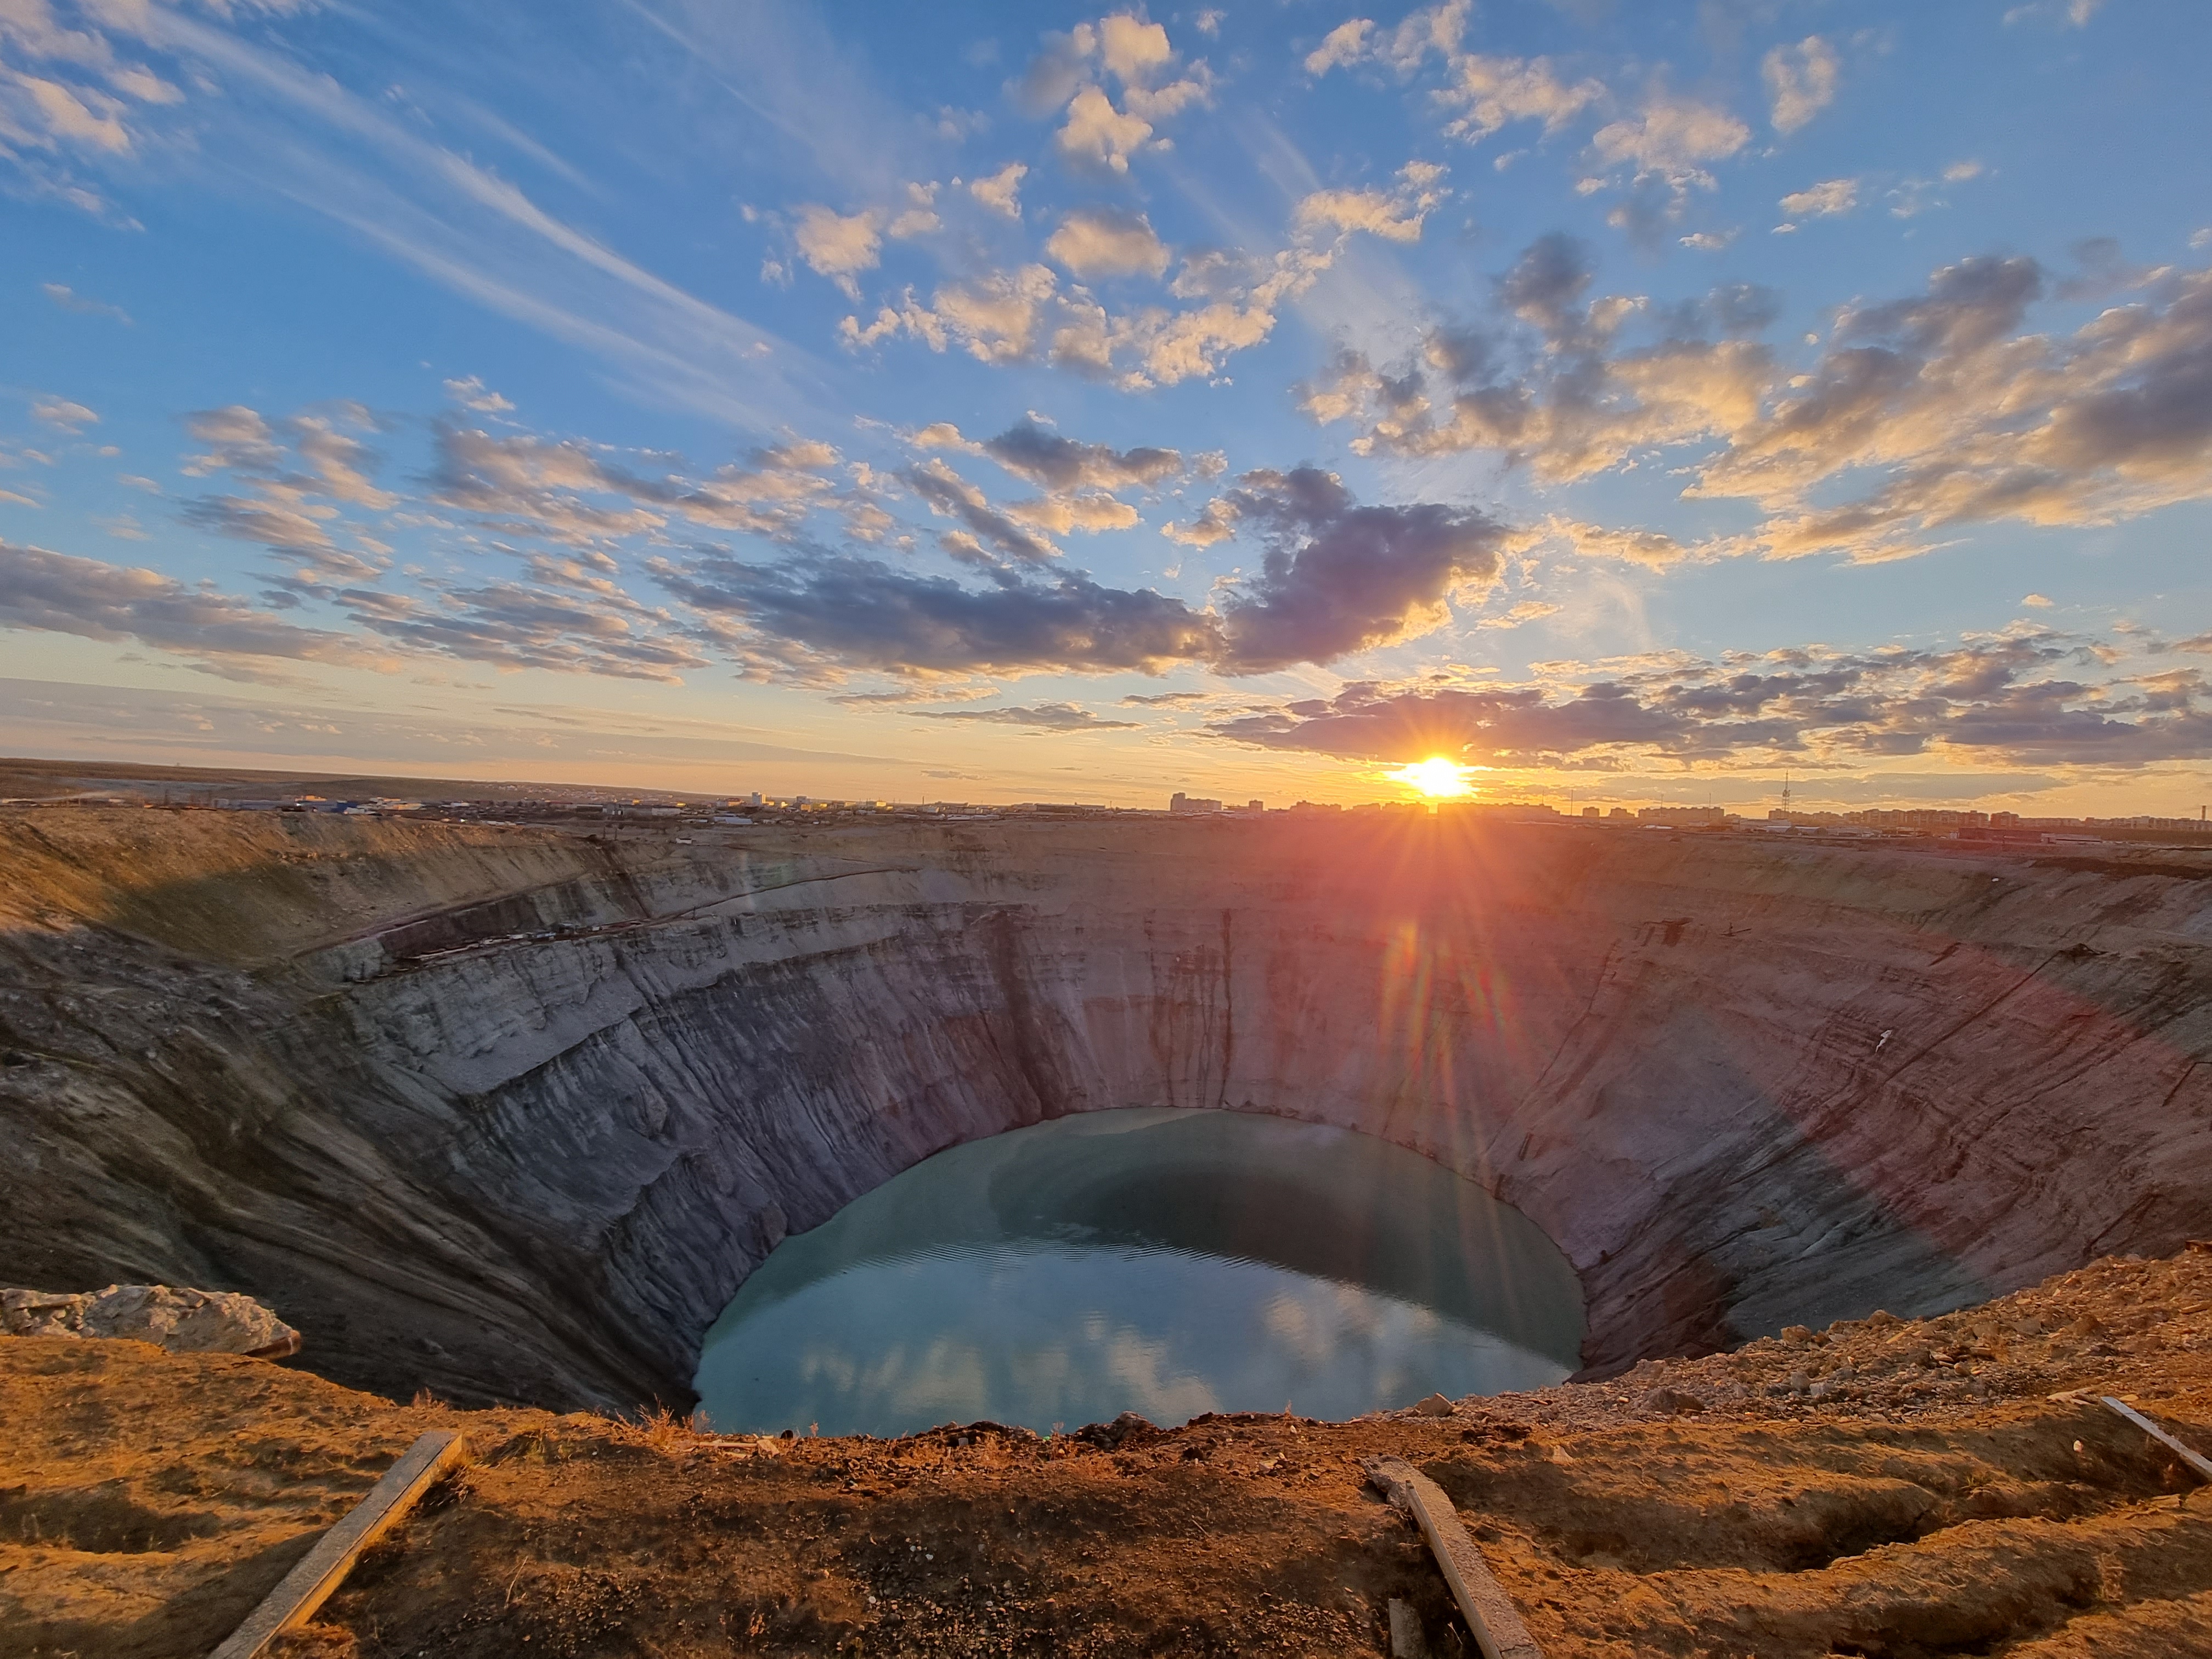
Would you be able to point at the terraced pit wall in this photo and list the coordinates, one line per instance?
(510, 1114)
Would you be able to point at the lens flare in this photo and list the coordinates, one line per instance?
(1436, 777)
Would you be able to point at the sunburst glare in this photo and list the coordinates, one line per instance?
(1436, 777)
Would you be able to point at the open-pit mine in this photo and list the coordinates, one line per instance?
(1874, 1167)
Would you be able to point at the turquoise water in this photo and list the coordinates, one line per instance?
(1164, 1262)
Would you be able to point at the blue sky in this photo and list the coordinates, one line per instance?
(1638, 402)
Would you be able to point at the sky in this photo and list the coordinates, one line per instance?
(1632, 401)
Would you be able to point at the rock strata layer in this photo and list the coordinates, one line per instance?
(510, 1114)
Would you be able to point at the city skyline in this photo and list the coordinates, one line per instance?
(1629, 403)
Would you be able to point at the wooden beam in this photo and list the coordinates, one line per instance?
(2204, 1468)
(1490, 1613)
(323, 1568)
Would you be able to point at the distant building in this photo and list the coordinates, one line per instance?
(1180, 802)
(1508, 812)
(1681, 815)
(1592, 813)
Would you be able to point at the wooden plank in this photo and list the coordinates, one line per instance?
(2202, 1465)
(1490, 1613)
(323, 1568)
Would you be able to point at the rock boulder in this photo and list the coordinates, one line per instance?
(181, 1321)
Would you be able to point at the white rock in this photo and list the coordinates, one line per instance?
(182, 1320)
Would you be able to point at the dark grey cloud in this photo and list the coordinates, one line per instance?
(1546, 286)
(2001, 700)
(1732, 310)
(1337, 577)
(1525, 726)
(1051, 462)
(1043, 717)
(861, 613)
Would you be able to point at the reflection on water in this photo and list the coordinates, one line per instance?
(1164, 1262)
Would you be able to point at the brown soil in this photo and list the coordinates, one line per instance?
(1883, 1487)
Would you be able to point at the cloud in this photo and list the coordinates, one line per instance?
(1801, 82)
(63, 415)
(1396, 216)
(61, 592)
(1920, 415)
(1018, 316)
(1831, 196)
(919, 216)
(1091, 512)
(1096, 135)
(1134, 50)
(70, 299)
(1048, 459)
(568, 492)
(1044, 717)
(303, 472)
(1494, 91)
(1670, 139)
(1957, 417)
(2077, 13)
(1337, 577)
(1488, 92)
(473, 394)
(1217, 522)
(2004, 701)
(563, 620)
(1094, 242)
(1001, 192)
(1099, 134)
(1585, 406)
(298, 133)
(1527, 611)
(1166, 699)
(840, 612)
(839, 246)
(1341, 47)
(989, 530)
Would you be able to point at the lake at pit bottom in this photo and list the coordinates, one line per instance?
(1161, 1261)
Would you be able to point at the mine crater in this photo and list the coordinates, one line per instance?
(511, 1114)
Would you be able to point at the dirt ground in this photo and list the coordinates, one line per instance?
(1880, 1488)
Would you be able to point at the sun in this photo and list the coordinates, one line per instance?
(1436, 777)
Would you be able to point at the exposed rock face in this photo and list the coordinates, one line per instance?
(181, 1321)
(512, 1114)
